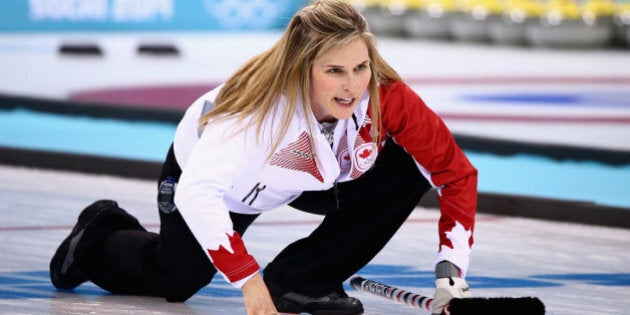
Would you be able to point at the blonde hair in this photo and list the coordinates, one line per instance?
(284, 69)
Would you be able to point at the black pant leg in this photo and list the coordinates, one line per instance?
(171, 264)
(371, 210)
(124, 263)
(182, 264)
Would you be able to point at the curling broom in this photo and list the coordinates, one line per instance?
(472, 306)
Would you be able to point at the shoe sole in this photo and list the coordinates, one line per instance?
(289, 307)
(61, 280)
(69, 259)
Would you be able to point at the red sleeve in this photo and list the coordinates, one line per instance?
(236, 264)
(424, 135)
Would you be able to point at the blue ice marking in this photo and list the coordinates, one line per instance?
(36, 284)
(599, 99)
(605, 279)
(406, 276)
(505, 283)
(525, 98)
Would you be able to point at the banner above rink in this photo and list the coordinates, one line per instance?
(145, 15)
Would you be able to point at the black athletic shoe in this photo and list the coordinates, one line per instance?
(94, 224)
(331, 304)
(336, 303)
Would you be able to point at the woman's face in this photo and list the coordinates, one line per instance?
(339, 79)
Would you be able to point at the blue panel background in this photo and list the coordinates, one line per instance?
(144, 15)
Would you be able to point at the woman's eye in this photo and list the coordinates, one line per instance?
(334, 70)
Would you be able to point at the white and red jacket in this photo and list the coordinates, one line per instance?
(226, 170)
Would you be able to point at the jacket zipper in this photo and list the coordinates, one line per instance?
(336, 189)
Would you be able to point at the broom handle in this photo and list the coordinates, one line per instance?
(393, 293)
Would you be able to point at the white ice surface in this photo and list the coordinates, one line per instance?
(573, 269)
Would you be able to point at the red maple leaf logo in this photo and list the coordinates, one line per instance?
(365, 153)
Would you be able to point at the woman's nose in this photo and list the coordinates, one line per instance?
(349, 82)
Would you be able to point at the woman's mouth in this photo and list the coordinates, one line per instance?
(344, 101)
